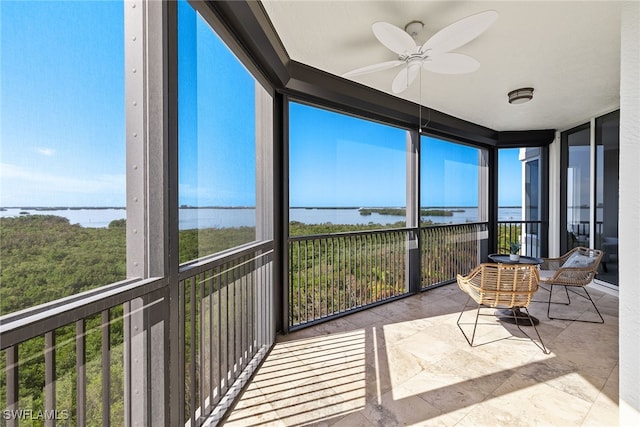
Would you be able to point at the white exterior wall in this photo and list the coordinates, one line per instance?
(629, 250)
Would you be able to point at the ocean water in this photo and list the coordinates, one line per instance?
(224, 218)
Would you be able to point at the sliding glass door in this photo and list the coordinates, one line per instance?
(606, 193)
(589, 188)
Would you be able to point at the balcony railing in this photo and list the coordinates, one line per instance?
(71, 360)
(447, 250)
(336, 273)
(103, 357)
(228, 328)
(530, 234)
(333, 274)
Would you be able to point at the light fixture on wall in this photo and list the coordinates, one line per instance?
(520, 96)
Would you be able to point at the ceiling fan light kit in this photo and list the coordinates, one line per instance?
(434, 55)
(414, 28)
(520, 96)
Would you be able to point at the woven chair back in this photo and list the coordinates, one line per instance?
(501, 285)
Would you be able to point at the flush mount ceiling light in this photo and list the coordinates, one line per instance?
(520, 96)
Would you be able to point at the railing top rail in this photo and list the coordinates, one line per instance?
(518, 221)
(213, 261)
(379, 231)
(35, 321)
(459, 224)
(350, 233)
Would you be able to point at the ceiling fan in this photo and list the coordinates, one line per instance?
(434, 55)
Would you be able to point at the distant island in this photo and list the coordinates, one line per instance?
(403, 211)
(59, 208)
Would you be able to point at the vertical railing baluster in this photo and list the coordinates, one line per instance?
(241, 270)
(346, 297)
(371, 273)
(340, 274)
(201, 343)
(181, 354)
(228, 332)
(353, 278)
(192, 351)
(81, 374)
(49, 375)
(313, 279)
(344, 266)
(244, 317)
(334, 283)
(294, 279)
(106, 367)
(294, 316)
(231, 323)
(360, 249)
(325, 267)
(362, 244)
(13, 381)
(237, 315)
(219, 334)
(213, 345)
(251, 280)
(388, 244)
(305, 296)
(379, 274)
(298, 290)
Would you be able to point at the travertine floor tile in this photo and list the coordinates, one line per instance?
(407, 363)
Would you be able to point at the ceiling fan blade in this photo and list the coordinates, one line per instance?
(451, 63)
(373, 68)
(460, 32)
(405, 77)
(394, 38)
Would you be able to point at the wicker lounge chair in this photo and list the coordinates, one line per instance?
(501, 286)
(573, 270)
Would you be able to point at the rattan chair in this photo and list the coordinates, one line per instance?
(573, 270)
(501, 286)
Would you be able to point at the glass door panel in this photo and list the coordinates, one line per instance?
(606, 221)
(578, 202)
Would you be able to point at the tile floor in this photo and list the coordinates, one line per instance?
(407, 363)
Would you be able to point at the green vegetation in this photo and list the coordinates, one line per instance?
(45, 258)
(197, 243)
(508, 238)
(300, 229)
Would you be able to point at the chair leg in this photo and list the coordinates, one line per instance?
(543, 348)
(588, 296)
(475, 325)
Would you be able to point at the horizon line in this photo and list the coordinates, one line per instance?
(26, 207)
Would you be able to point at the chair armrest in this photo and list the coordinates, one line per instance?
(570, 276)
(556, 263)
(551, 264)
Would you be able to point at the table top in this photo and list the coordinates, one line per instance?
(504, 259)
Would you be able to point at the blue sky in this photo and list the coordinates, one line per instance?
(63, 124)
(216, 115)
(339, 160)
(62, 104)
(509, 177)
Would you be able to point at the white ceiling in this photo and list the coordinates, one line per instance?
(568, 51)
